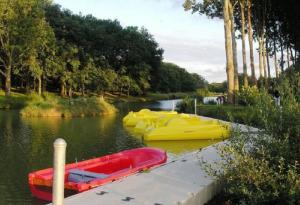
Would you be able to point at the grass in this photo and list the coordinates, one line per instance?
(50, 105)
(236, 113)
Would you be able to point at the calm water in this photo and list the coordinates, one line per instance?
(26, 144)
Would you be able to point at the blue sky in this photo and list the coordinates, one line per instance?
(191, 41)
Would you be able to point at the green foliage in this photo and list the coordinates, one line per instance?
(247, 96)
(26, 38)
(238, 114)
(129, 53)
(187, 105)
(289, 83)
(250, 177)
(218, 87)
(172, 78)
(263, 168)
(44, 47)
(201, 93)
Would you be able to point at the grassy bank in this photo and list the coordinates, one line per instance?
(236, 113)
(226, 112)
(51, 105)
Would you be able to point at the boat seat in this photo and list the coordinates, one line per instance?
(77, 175)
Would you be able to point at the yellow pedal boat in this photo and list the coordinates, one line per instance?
(192, 132)
(133, 118)
(169, 125)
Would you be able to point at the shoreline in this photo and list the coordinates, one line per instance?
(52, 105)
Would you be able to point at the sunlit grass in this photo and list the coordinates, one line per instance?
(51, 105)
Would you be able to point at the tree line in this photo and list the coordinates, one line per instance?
(44, 47)
(273, 24)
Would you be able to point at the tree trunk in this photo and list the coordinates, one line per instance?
(128, 90)
(62, 89)
(276, 65)
(27, 84)
(234, 49)
(260, 49)
(288, 56)
(22, 83)
(7, 80)
(40, 85)
(82, 89)
(70, 92)
(250, 38)
(268, 60)
(275, 58)
(282, 55)
(34, 84)
(264, 58)
(261, 38)
(229, 52)
(242, 7)
(292, 56)
(44, 84)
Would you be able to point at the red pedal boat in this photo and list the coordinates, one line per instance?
(85, 175)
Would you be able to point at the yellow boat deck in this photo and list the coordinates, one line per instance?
(168, 126)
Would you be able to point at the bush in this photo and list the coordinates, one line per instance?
(264, 168)
(237, 114)
(201, 93)
(247, 96)
(251, 177)
(187, 105)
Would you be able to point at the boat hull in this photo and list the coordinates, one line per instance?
(111, 167)
(207, 132)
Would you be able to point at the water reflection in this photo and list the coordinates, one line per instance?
(168, 104)
(174, 146)
(181, 146)
(26, 144)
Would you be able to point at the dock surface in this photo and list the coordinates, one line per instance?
(181, 181)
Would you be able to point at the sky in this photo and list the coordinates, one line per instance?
(191, 41)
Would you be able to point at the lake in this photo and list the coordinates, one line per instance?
(26, 144)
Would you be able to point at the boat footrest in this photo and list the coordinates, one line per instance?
(77, 175)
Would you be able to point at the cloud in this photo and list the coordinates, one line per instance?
(205, 57)
(191, 41)
(173, 3)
